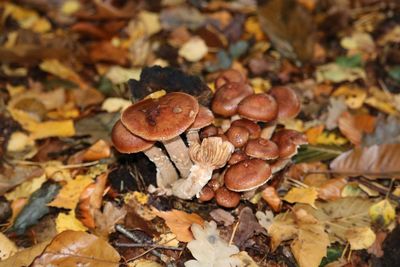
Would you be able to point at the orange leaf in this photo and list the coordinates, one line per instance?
(270, 195)
(313, 133)
(180, 222)
(348, 127)
(332, 189)
(99, 150)
(365, 122)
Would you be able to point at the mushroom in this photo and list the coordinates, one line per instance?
(253, 128)
(208, 131)
(227, 198)
(206, 194)
(212, 153)
(288, 102)
(204, 118)
(238, 136)
(247, 175)
(227, 98)
(262, 149)
(288, 141)
(258, 107)
(126, 142)
(227, 76)
(164, 119)
(237, 156)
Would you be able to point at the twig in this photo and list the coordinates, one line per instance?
(130, 245)
(381, 189)
(71, 166)
(381, 174)
(233, 233)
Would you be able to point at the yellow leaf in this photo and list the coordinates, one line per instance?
(68, 222)
(113, 104)
(156, 94)
(58, 69)
(383, 106)
(69, 194)
(18, 142)
(360, 237)
(330, 139)
(144, 263)
(253, 27)
(69, 7)
(141, 197)
(25, 189)
(245, 259)
(382, 213)
(354, 96)
(168, 239)
(7, 247)
(302, 195)
(260, 85)
(26, 18)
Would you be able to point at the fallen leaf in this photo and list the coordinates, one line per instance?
(265, 219)
(99, 150)
(98, 126)
(144, 263)
(354, 96)
(270, 196)
(18, 142)
(193, 50)
(245, 259)
(55, 67)
(180, 222)
(336, 73)
(26, 256)
(336, 107)
(209, 249)
(376, 247)
(387, 131)
(248, 227)
(374, 161)
(331, 189)
(25, 189)
(114, 104)
(360, 237)
(365, 122)
(382, 213)
(348, 127)
(108, 218)
(302, 195)
(68, 196)
(222, 216)
(68, 221)
(313, 133)
(73, 248)
(7, 247)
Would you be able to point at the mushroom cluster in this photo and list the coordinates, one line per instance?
(239, 156)
(250, 123)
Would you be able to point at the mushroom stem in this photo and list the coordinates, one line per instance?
(179, 154)
(166, 172)
(193, 137)
(197, 179)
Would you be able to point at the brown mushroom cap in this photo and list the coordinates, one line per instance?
(208, 131)
(289, 104)
(163, 118)
(258, 107)
(237, 156)
(204, 118)
(247, 175)
(126, 142)
(227, 76)
(288, 142)
(253, 128)
(206, 194)
(227, 98)
(226, 198)
(238, 136)
(262, 149)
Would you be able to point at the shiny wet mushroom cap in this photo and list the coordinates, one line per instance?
(126, 142)
(238, 136)
(204, 118)
(258, 107)
(227, 76)
(163, 118)
(253, 128)
(226, 198)
(289, 104)
(288, 141)
(247, 175)
(262, 149)
(227, 98)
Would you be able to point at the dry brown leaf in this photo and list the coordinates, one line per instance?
(99, 150)
(348, 127)
(180, 222)
(75, 248)
(106, 220)
(377, 247)
(270, 195)
(331, 189)
(25, 257)
(7, 247)
(12, 176)
(374, 161)
(365, 122)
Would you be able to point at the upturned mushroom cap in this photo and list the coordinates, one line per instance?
(227, 76)
(163, 118)
(288, 141)
(226, 198)
(227, 98)
(262, 149)
(247, 175)
(258, 107)
(238, 136)
(204, 118)
(289, 104)
(213, 152)
(253, 128)
(126, 142)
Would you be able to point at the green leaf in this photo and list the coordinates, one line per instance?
(394, 73)
(350, 62)
(309, 153)
(332, 255)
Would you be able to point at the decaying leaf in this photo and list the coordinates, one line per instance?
(360, 237)
(179, 222)
(382, 213)
(209, 249)
(25, 189)
(374, 161)
(270, 195)
(69, 221)
(302, 195)
(12, 176)
(7, 247)
(331, 189)
(248, 227)
(26, 256)
(265, 219)
(73, 248)
(106, 220)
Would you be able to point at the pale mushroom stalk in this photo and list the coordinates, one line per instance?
(211, 154)
(179, 154)
(192, 137)
(166, 172)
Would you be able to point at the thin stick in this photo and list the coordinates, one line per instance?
(382, 174)
(233, 233)
(130, 245)
(71, 166)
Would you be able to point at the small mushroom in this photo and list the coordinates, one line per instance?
(204, 118)
(262, 149)
(253, 128)
(227, 198)
(211, 154)
(227, 76)
(288, 141)
(206, 194)
(208, 131)
(164, 119)
(247, 175)
(289, 104)
(227, 98)
(238, 136)
(126, 142)
(258, 107)
(237, 156)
